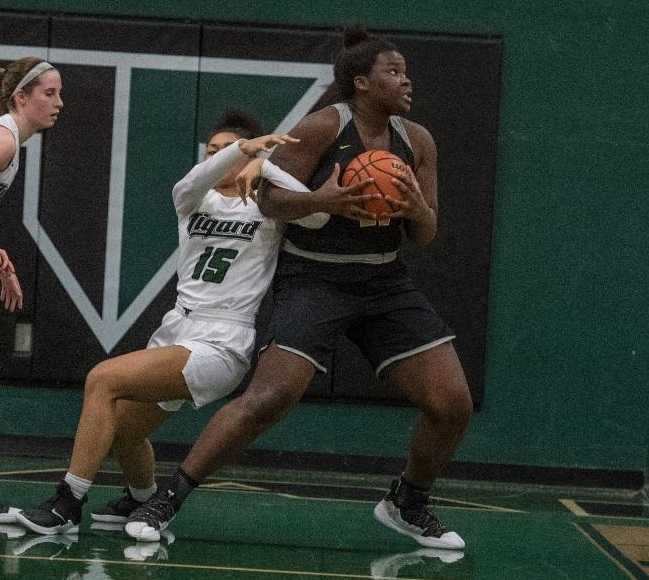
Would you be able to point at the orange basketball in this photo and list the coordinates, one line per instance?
(382, 166)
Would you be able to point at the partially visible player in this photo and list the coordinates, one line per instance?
(30, 101)
(201, 351)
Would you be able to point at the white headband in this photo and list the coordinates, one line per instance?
(38, 70)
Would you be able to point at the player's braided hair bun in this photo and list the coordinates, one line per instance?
(354, 35)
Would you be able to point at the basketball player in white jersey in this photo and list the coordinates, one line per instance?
(201, 351)
(30, 101)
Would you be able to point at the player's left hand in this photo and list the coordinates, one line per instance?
(247, 180)
(265, 143)
(413, 206)
(11, 295)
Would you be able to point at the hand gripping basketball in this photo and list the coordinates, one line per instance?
(382, 166)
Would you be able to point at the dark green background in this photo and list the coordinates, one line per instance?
(567, 373)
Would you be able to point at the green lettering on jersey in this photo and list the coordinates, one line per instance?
(213, 264)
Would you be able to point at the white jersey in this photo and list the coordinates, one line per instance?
(228, 254)
(7, 175)
(228, 250)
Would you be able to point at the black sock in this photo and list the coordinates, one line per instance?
(414, 487)
(182, 484)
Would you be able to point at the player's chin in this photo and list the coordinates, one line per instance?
(48, 123)
(403, 106)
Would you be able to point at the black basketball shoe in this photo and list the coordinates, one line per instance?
(61, 514)
(116, 510)
(405, 510)
(147, 521)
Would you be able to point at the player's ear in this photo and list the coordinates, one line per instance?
(361, 83)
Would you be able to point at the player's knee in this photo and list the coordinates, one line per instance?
(127, 442)
(267, 405)
(100, 382)
(452, 407)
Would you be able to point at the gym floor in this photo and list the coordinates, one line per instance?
(251, 523)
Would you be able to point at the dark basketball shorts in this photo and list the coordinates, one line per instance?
(387, 317)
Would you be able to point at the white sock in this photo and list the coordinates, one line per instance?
(142, 495)
(78, 485)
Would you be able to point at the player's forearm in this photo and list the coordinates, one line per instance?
(189, 192)
(280, 178)
(284, 204)
(423, 230)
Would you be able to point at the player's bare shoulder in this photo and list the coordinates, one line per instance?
(316, 127)
(7, 147)
(316, 132)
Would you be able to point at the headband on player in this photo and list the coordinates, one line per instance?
(38, 70)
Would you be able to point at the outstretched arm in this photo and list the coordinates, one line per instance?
(189, 192)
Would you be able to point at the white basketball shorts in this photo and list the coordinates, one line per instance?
(220, 346)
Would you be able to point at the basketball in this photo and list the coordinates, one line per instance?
(382, 166)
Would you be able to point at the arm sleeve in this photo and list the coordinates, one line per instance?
(282, 179)
(189, 192)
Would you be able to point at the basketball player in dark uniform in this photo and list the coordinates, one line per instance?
(347, 279)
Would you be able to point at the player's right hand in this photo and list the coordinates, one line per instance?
(248, 178)
(11, 294)
(5, 263)
(265, 143)
(345, 201)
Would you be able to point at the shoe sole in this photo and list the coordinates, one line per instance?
(382, 515)
(108, 518)
(155, 538)
(67, 528)
(9, 517)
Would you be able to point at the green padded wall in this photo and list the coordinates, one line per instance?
(567, 355)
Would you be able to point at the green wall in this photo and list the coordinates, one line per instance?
(567, 370)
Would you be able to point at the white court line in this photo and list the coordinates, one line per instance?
(604, 551)
(574, 507)
(25, 471)
(243, 488)
(206, 567)
(468, 505)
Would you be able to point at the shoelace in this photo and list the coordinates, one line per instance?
(422, 517)
(157, 509)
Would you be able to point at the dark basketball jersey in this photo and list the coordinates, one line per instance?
(342, 236)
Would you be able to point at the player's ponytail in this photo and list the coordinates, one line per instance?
(356, 58)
